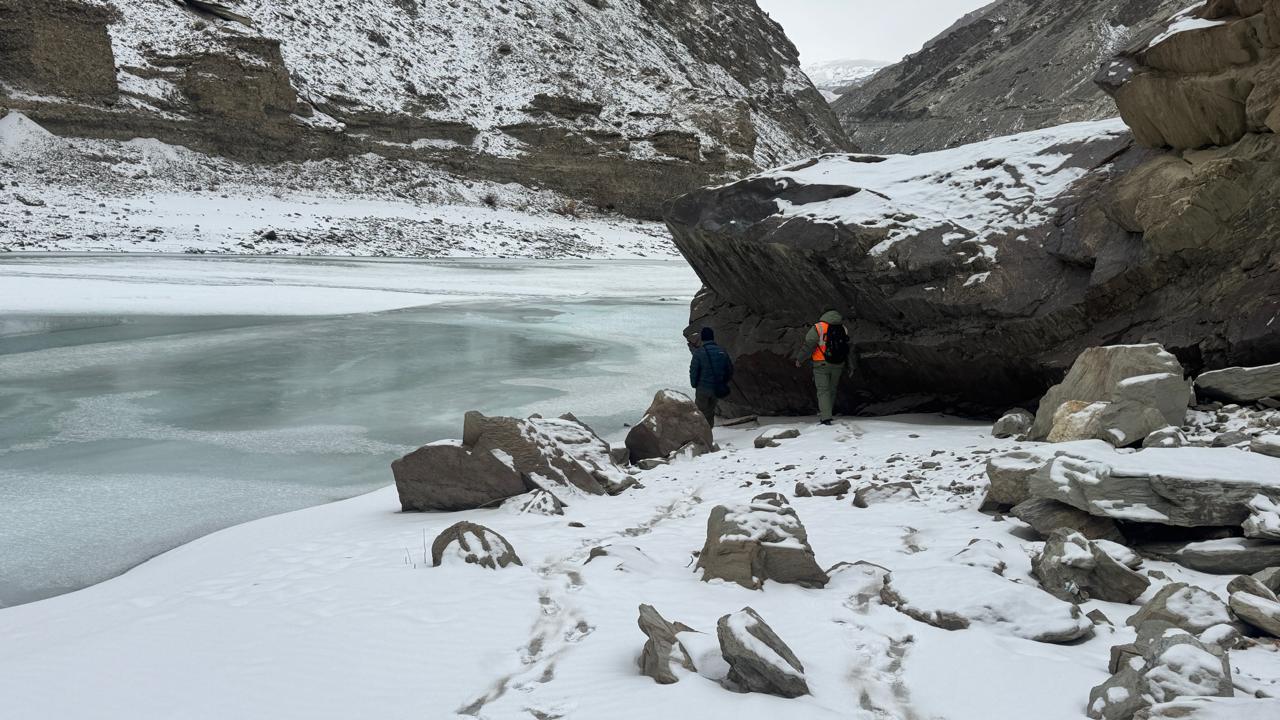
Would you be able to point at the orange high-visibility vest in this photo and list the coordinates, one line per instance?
(820, 352)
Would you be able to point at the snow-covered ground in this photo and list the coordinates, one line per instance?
(332, 613)
(65, 194)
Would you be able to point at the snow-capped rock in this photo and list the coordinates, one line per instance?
(759, 660)
(764, 540)
(955, 598)
(473, 544)
(671, 423)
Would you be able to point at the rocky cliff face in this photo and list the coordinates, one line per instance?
(620, 103)
(1012, 66)
(974, 276)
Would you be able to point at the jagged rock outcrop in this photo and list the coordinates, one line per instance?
(759, 660)
(973, 277)
(662, 647)
(619, 104)
(1011, 66)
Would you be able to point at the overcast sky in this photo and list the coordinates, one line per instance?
(864, 29)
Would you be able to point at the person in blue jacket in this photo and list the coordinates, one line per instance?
(710, 371)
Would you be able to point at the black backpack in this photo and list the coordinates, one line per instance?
(838, 347)
(721, 380)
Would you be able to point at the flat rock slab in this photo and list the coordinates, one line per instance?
(1009, 474)
(1185, 487)
(1046, 516)
(957, 597)
(1188, 607)
(1213, 708)
(1241, 384)
(1229, 556)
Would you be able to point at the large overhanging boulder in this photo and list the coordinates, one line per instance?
(974, 277)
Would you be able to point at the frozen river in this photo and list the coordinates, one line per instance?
(145, 401)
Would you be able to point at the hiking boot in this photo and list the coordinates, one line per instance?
(826, 422)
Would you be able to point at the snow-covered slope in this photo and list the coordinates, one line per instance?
(332, 613)
(1011, 66)
(620, 103)
(67, 194)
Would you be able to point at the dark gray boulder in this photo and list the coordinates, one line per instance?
(1015, 423)
(1074, 569)
(671, 423)
(449, 477)
(475, 545)
(770, 438)
(764, 540)
(759, 661)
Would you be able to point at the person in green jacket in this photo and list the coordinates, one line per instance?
(827, 346)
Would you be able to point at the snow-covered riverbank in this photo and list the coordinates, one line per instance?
(148, 400)
(80, 195)
(331, 613)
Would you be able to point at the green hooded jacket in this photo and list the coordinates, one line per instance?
(831, 317)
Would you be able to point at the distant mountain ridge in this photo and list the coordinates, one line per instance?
(1008, 67)
(836, 76)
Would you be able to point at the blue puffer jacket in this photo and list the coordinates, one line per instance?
(710, 367)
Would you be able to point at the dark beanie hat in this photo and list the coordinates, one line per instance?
(708, 334)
